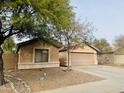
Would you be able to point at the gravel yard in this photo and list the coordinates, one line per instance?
(55, 78)
(6, 88)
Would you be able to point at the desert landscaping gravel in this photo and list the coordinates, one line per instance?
(52, 78)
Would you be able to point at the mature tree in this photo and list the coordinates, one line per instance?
(77, 34)
(32, 18)
(9, 45)
(119, 42)
(102, 45)
(83, 33)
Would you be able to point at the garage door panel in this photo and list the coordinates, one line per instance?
(82, 59)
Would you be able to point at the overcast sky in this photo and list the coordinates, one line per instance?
(107, 16)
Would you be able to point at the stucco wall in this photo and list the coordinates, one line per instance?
(119, 59)
(111, 59)
(85, 49)
(105, 59)
(26, 55)
(10, 61)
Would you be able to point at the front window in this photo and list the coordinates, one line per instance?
(41, 55)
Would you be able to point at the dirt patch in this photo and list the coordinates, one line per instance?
(55, 78)
(46, 79)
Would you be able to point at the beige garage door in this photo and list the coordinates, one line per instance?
(79, 59)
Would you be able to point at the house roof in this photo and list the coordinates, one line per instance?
(52, 42)
(94, 48)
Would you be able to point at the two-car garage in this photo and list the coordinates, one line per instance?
(80, 56)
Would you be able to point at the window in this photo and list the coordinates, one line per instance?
(41, 55)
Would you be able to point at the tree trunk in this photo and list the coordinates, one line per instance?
(68, 67)
(2, 81)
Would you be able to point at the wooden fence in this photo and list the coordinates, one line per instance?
(10, 61)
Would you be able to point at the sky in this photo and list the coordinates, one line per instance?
(107, 16)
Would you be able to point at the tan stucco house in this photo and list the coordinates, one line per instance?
(79, 56)
(37, 53)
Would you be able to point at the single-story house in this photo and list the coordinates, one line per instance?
(79, 56)
(37, 53)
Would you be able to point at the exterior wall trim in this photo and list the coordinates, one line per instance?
(43, 65)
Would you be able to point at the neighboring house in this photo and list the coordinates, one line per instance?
(79, 56)
(38, 53)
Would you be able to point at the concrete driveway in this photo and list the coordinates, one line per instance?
(114, 82)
